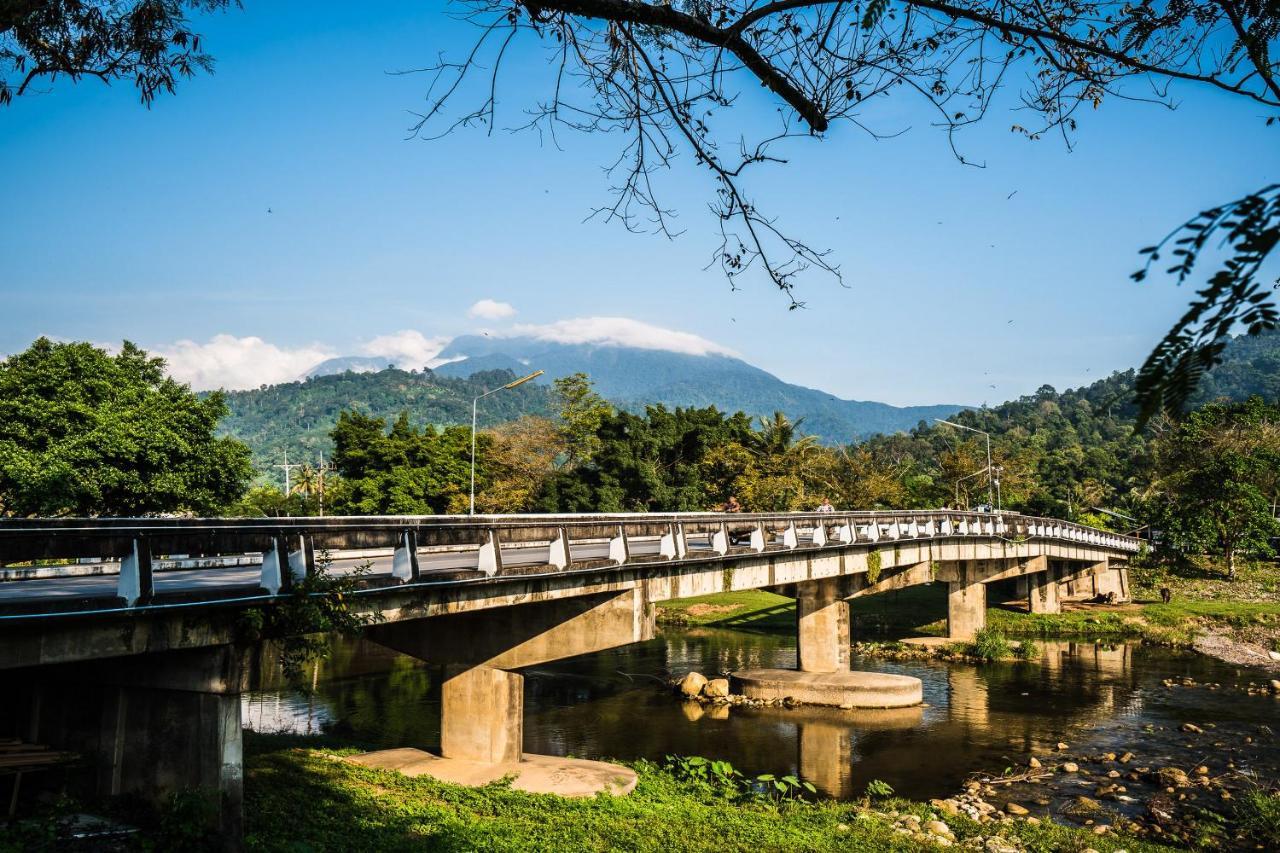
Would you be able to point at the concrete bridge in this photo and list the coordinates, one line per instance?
(136, 653)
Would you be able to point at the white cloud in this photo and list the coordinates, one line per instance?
(489, 309)
(621, 332)
(408, 349)
(237, 363)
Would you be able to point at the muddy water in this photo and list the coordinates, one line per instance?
(1094, 697)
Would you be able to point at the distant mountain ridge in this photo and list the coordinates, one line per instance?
(632, 378)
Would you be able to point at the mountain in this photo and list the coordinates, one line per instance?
(296, 417)
(351, 364)
(632, 378)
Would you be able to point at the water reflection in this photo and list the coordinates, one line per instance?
(611, 705)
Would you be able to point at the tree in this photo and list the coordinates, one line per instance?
(149, 41)
(87, 433)
(664, 76)
(581, 412)
(1216, 476)
(521, 456)
(403, 470)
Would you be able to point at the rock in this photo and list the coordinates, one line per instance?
(1126, 758)
(1083, 805)
(1101, 829)
(1172, 777)
(1192, 728)
(1070, 767)
(1113, 774)
(937, 827)
(1033, 763)
(1273, 656)
(1202, 770)
(691, 685)
(1016, 810)
(1062, 747)
(1033, 820)
(996, 844)
(947, 807)
(1108, 756)
(716, 688)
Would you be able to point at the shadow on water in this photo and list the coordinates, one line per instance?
(612, 705)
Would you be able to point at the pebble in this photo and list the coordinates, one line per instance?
(1033, 763)
(937, 827)
(1070, 767)
(1062, 746)
(1126, 758)
(1192, 728)
(1017, 810)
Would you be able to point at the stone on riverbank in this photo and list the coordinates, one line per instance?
(716, 688)
(691, 685)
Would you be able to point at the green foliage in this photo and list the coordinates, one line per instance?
(306, 620)
(990, 644)
(878, 789)
(1217, 476)
(723, 779)
(403, 470)
(86, 433)
(581, 411)
(874, 565)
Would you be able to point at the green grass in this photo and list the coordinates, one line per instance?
(754, 609)
(301, 799)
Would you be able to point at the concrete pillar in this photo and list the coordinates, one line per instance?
(1111, 580)
(822, 626)
(482, 715)
(966, 605)
(1044, 592)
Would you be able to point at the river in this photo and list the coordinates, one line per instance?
(1095, 697)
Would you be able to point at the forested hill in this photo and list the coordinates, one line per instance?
(297, 416)
(1061, 452)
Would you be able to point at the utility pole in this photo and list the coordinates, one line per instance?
(287, 468)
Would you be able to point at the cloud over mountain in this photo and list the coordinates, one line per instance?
(490, 309)
(621, 332)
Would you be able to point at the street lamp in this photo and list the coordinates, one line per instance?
(991, 484)
(474, 403)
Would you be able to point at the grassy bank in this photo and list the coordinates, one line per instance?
(301, 799)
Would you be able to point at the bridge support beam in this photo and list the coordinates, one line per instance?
(822, 626)
(966, 603)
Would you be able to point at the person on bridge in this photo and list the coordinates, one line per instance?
(825, 506)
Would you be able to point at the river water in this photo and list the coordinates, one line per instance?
(1094, 697)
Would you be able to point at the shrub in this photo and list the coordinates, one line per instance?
(1257, 815)
(990, 644)
(878, 789)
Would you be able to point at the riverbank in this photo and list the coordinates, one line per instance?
(312, 799)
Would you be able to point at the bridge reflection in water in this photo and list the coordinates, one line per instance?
(608, 705)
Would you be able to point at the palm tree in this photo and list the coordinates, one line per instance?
(779, 437)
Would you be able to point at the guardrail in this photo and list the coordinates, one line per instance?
(288, 546)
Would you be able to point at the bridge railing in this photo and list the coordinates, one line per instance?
(479, 547)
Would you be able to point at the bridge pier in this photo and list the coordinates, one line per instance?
(966, 603)
(482, 701)
(1043, 596)
(822, 626)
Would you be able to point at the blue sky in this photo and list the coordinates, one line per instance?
(152, 225)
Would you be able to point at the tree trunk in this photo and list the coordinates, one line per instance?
(1231, 564)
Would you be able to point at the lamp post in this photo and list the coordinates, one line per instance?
(475, 402)
(991, 484)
